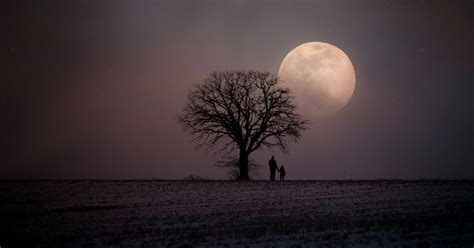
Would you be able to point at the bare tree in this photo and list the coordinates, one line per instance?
(243, 111)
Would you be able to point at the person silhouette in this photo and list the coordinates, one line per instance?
(273, 167)
(282, 173)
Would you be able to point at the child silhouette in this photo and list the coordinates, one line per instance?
(282, 173)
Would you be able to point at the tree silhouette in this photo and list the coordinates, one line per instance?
(243, 111)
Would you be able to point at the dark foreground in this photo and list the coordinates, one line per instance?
(236, 214)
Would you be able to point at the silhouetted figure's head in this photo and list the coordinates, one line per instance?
(273, 157)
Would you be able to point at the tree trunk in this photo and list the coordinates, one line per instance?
(243, 166)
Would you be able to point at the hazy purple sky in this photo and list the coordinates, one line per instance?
(91, 89)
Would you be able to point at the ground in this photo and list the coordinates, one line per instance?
(237, 214)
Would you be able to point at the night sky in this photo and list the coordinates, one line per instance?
(92, 89)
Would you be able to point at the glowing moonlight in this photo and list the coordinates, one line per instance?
(321, 77)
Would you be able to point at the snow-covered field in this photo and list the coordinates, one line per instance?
(237, 214)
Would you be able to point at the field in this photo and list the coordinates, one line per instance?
(237, 214)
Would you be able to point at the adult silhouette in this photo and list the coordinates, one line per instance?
(273, 168)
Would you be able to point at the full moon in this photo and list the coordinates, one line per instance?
(320, 76)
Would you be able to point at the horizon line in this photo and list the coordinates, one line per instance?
(232, 180)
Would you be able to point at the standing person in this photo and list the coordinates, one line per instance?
(273, 167)
(282, 173)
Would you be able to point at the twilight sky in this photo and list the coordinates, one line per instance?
(91, 89)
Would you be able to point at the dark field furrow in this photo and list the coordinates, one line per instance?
(224, 213)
